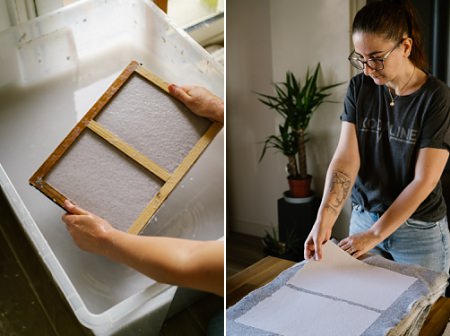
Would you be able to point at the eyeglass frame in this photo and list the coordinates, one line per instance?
(379, 59)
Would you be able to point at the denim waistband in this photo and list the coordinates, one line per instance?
(359, 207)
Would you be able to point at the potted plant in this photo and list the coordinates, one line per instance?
(296, 104)
(291, 249)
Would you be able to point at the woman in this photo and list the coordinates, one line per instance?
(393, 147)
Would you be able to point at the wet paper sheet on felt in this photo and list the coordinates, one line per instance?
(323, 297)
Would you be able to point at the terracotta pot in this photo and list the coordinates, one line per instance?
(300, 187)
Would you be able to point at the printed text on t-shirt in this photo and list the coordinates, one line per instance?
(396, 133)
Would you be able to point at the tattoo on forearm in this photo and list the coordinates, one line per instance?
(339, 187)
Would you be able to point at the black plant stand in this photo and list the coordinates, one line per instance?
(295, 221)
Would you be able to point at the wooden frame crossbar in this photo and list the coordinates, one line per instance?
(170, 179)
(178, 174)
(129, 150)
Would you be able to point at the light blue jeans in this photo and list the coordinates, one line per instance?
(415, 242)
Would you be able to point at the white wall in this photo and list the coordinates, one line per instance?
(4, 16)
(250, 185)
(265, 38)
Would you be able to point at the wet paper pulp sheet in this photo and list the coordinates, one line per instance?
(323, 295)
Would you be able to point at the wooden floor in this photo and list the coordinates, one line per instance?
(242, 251)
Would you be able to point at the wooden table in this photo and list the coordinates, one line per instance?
(265, 270)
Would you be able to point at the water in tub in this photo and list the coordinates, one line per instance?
(35, 117)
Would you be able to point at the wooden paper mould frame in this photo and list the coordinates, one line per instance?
(170, 180)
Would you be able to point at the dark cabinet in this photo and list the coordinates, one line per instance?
(295, 221)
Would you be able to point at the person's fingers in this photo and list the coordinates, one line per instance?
(307, 253)
(345, 244)
(66, 217)
(318, 250)
(73, 209)
(348, 247)
(179, 93)
(308, 248)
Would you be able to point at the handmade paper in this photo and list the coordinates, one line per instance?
(156, 124)
(340, 275)
(291, 312)
(98, 177)
(338, 295)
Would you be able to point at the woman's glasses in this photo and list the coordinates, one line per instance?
(376, 63)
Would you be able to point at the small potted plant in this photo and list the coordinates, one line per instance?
(296, 104)
(291, 249)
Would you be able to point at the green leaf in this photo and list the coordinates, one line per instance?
(295, 103)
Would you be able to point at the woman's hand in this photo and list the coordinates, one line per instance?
(88, 231)
(200, 101)
(360, 243)
(316, 238)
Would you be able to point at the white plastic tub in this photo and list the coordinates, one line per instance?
(52, 70)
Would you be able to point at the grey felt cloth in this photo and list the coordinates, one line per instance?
(404, 317)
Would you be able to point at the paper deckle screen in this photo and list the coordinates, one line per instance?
(126, 155)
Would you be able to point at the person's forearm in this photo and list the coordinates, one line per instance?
(402, 208)
(181, 262)
(429, 167)
(339, 180)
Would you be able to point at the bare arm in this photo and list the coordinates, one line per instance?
(340, 177)
(182, 262)
(428, 170)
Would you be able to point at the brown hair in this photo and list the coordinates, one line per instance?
(394, 19)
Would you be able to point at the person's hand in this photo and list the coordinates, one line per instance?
(200, 101)
(88, 231)
(360, 243)
(318, 236)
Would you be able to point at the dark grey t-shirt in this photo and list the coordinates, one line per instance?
(389, 140)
